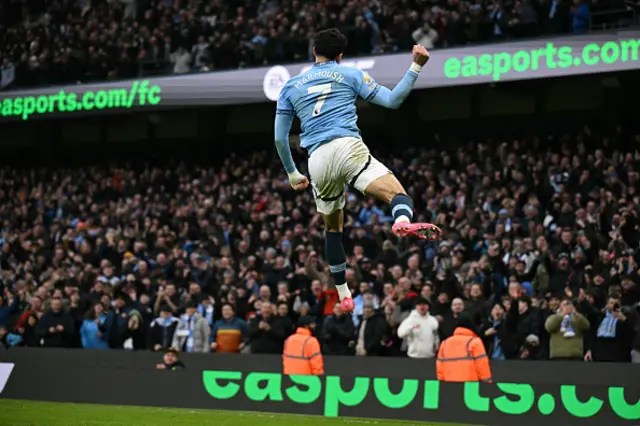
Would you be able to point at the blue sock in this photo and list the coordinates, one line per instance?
(337, 259)
(401, 205)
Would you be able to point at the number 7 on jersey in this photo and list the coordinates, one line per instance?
(324, 90)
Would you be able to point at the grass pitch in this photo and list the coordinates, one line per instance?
(32, 413)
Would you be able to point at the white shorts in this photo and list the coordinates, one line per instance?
(338, 163)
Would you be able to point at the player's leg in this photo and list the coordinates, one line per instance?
(336, 256)
(325, 171)
(388, 189)
(371, 177)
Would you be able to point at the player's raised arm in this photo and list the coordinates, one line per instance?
(284, 120)
(380, 95)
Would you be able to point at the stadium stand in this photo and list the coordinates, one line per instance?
(69, 41)
(529, 227)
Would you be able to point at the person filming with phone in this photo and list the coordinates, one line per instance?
(614, 334)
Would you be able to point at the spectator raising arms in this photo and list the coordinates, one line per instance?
(421, 331)
(567, 328)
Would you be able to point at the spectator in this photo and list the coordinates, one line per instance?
(123, 324)
(35, 308)
(8, 308)
(92, 330)
(29, 332)
(527, 329)
(425, 36)
(421, 331)
(55, 328)
(192, 333)
(338, 333)
(181, 60)
(449, 320)
(162, 330)
(229, 332)
(614, 335)
(283, 315)
(170, 361)
(370, 333)
(498, 332)
(266, 332)
(580, 14)
(366, 296)
(567, 329)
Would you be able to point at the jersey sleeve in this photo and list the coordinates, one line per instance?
(366, 86)
(284, 106)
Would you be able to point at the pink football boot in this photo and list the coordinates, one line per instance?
(346, 304)
(423, 231)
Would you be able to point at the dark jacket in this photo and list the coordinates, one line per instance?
(161, 333)
(614, 349)
(7, 311)
(30, 336)
(447, 326)
(57, 339)
(374, 333)
(337, 333)
(116, 327)
(477, 309)
(267, 342)
(176, 366)
(528, 324)
(505, 336)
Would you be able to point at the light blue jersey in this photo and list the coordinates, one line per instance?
(324, 99)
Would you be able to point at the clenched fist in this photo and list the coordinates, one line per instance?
(298, 181)
(420, 55)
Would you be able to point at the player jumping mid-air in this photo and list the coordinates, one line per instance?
(324, 98)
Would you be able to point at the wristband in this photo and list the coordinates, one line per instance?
(415, 67)
(295, 176)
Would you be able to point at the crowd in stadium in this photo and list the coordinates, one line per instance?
(540, 248)
(66, 41)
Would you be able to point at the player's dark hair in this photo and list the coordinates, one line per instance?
(330, 43)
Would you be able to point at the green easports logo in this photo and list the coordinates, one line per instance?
(548, 57)
(517, 399)
(135, 94)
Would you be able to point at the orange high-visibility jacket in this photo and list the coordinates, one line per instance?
(462, 358)
(302, 354)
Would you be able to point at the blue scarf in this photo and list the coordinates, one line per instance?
(607, 328)
(190, 324)
(207, 313)
(567, 327)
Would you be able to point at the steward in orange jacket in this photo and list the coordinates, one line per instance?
(462, 357)
(302, 354)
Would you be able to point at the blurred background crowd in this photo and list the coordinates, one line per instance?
(69, 41)
(540, 249)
